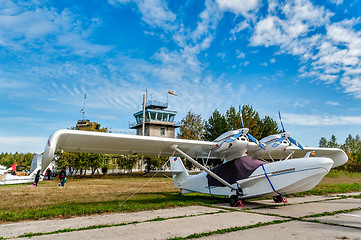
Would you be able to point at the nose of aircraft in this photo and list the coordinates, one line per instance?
(322, 162)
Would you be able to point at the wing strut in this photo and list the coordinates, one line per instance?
(175, 147)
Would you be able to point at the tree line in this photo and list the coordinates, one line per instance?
(352, 147)
(195, 128)
(22, 159)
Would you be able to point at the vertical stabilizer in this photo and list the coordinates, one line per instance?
(36, 163)
(181, 174)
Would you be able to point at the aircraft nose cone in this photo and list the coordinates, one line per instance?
(324, 162)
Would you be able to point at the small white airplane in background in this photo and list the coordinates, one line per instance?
(242, 175)
(10, 176)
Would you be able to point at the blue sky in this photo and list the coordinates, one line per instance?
(301, 57)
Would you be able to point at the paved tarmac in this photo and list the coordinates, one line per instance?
(313, 217)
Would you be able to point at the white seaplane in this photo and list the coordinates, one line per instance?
(245, 172)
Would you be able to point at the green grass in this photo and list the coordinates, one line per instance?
(341, 173)
(332, 189)
(140, 202)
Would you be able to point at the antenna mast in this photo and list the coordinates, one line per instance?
(83, 109)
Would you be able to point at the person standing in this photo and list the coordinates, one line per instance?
(37, 178)
(62, 177)
(48, 173)
(36, 181)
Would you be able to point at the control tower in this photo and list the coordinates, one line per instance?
(158, 121)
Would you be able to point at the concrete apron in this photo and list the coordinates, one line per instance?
(352, 219)
(308, 209)
(20, 228)
(178, 227)
(199, 219)
(292, 230)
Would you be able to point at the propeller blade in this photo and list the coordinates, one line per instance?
(255, 140)
(295, 142)
(279, 114)
(234, 137)
(278, 142)
(240, 114)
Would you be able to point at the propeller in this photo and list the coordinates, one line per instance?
(285, 135)
(244, 131)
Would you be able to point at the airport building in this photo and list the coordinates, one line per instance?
(158, 121)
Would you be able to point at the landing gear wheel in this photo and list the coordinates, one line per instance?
(235, 201)
(232, 200)
(280, 199)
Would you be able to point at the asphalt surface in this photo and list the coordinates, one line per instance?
(313, 217)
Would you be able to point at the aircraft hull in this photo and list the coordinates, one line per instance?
(282, 177)
(7, 179)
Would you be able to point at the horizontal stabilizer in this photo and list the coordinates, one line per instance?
(168, 173)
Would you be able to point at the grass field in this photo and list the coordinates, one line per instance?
(83, 196)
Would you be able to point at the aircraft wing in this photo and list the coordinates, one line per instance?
(337, 155)
(112, 143)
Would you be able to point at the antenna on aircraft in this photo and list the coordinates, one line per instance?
(83, 109)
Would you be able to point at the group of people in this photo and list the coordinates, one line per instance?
(61, 177)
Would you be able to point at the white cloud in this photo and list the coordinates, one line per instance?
(221, 55)
(330, 57)
(154, 12)
(332, 103)
(337, 2)
(238, 6)
(239, 27)
(301, 17)
(352, 85)
(321, 120)
(80, 46)
(240, 54)
(30, 25)
(12, 84)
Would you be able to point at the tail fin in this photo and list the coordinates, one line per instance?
(13, 167)
(36, 163)
(176, 164)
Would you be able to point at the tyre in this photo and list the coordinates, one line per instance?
(233, 200)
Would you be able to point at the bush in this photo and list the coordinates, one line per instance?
(350, 167)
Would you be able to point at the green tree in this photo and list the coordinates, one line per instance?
(191, 127)
(215, 126)
(269, 127)
(233, 119)
(323, 142)
(154, 162)
(252, 121)
(332, 143)
(352, 148)
(127, 162)
(95, 161)
(218, 124)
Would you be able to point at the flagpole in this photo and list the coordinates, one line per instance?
(143, 122)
